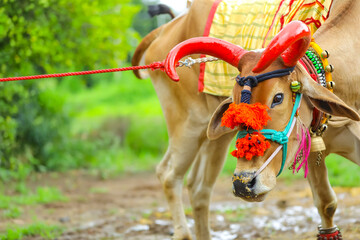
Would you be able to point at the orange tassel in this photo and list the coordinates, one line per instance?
(250, 116)
(250, 146)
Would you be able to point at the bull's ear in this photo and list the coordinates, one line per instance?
(323, 99)
(215, 130)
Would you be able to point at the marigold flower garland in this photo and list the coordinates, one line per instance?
(251, 117)
(250, 146)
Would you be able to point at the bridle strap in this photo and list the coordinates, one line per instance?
(284, 145)
(253, 81)
(280, 137)
(287, 132)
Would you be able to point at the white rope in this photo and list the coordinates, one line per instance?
(189, 61)
(275, 152)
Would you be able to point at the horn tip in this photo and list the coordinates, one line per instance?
(256, 69)
(173, 76)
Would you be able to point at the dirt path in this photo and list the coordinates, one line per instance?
(133, 207)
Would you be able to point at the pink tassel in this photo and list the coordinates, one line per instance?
(298, 151)
(305, 145)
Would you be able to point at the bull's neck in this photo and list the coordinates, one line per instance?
(340, 36)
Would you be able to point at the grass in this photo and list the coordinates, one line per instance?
(12, 212)
(342, 172)
(43, 230)
(10, 205)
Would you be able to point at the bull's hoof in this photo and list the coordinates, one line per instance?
(329, 233)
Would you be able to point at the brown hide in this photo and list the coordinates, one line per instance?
(341, 38)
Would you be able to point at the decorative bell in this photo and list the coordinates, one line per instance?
(317, 143)
(329, 68)
(330, 85)
(325, 54)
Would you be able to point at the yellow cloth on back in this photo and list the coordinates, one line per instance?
(252, 24)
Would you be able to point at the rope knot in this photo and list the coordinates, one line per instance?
(275, 136)
(157, 65)
(250, 81)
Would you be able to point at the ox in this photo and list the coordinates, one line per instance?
(196, 137)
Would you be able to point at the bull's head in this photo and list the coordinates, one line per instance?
(252, 181)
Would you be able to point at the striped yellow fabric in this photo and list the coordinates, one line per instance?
(247, 23)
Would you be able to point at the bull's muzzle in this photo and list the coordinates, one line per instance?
(244, 185)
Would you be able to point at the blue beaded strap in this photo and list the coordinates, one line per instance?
(277, 136)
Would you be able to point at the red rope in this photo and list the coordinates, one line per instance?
(153, 66)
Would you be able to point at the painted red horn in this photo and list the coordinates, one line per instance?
(202, 45)
(291, 43)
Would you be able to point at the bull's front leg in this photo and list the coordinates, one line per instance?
(172, 186)
(201, 179)
(324, 197)
(182, 151)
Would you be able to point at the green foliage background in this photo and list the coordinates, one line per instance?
(48, 36)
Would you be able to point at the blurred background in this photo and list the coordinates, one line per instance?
(97, 122)
(106, 124)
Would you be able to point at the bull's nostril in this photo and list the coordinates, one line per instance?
(251, 183)
(244, 184)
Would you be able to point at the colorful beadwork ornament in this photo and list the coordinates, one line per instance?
(295, 86)
(319, 59)
(329, 233)
(316, 61)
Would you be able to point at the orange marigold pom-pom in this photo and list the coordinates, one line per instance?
(250, 146)
(251, 116)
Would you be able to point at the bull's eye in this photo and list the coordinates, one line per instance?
(278, 99)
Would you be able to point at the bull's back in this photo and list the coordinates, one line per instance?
(189, 25)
